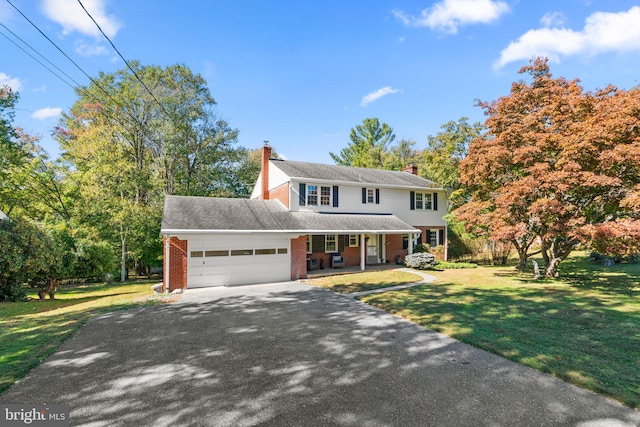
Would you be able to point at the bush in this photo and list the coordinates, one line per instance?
(420, 261)
(455, 265)
(12, 292)
(420, 248)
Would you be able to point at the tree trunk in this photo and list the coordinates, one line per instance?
(123, 260)
(551, 270)
(52, 287)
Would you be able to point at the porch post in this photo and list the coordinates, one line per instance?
(384, 248)
(167, 255)
(410, 248)
(363, 243)
(446, 243)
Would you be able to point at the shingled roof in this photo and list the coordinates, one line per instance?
(304, 170)
(213, 214)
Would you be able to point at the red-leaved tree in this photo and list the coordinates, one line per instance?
(557, 164)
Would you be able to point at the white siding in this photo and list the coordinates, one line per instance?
(276, 179)
(392, 200)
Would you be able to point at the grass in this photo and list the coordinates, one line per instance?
(583, 327)
(357, 282)
(33, 330)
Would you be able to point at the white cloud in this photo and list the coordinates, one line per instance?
(13, 82)
(374, 96)
(603, 32)
(448, 15)
(70, 15)
(45, 113)
(88, 49)
(553, 19)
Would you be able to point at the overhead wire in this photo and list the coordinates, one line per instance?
(124, 110)
(123, 58)
(37, 60)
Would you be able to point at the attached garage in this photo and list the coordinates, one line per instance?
(223, 242)
(237, 260)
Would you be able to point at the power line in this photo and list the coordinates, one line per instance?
(135, 121)
(123, 58)
(36, 59)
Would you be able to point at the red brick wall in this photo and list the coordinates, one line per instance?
(281, 193)
(299, 258)
(351, 256)
(394, 248)
(177, 264)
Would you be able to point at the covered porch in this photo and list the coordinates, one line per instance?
(361, 251)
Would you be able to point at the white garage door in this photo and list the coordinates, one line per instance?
(238, 261)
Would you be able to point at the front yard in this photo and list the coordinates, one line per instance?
(583, 328)
(358, 282)
(33, 330)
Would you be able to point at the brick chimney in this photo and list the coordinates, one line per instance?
(266, 154)
(413, 169)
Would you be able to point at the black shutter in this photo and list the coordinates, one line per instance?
(341, 242)
(303, 193)
(412, 201)
(364, 195)
(317, 245)
(420, 238)
(377, 196)
(335, 196)
(405, 242)
(441, 237)
(435, 201)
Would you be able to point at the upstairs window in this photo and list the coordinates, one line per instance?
(371, 195)
(423, 201)
(312, 195)
(318, 195)
(325, 196)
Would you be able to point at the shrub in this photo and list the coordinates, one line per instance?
(13, 292)
(455, 265)
(420, 261)
(420, 248)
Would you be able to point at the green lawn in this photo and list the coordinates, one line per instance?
(357, 282)
(583, 327)
(30, 331)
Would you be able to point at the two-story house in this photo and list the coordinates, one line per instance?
(299, 214)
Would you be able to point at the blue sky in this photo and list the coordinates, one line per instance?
(302, 74)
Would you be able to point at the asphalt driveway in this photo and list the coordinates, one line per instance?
(293, 355)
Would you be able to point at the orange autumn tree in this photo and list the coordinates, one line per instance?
(557, 164)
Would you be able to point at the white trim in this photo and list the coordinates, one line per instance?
(365, 184)
(298, 232)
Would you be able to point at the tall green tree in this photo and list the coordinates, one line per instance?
(16, 150)
(446, 149)
(369, 143)
(129, 148)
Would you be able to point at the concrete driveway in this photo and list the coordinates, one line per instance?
(292, 355)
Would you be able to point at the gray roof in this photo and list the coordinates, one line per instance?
(192, 214)
(306, 170)
(3, 216)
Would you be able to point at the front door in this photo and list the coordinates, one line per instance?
(373, 250)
